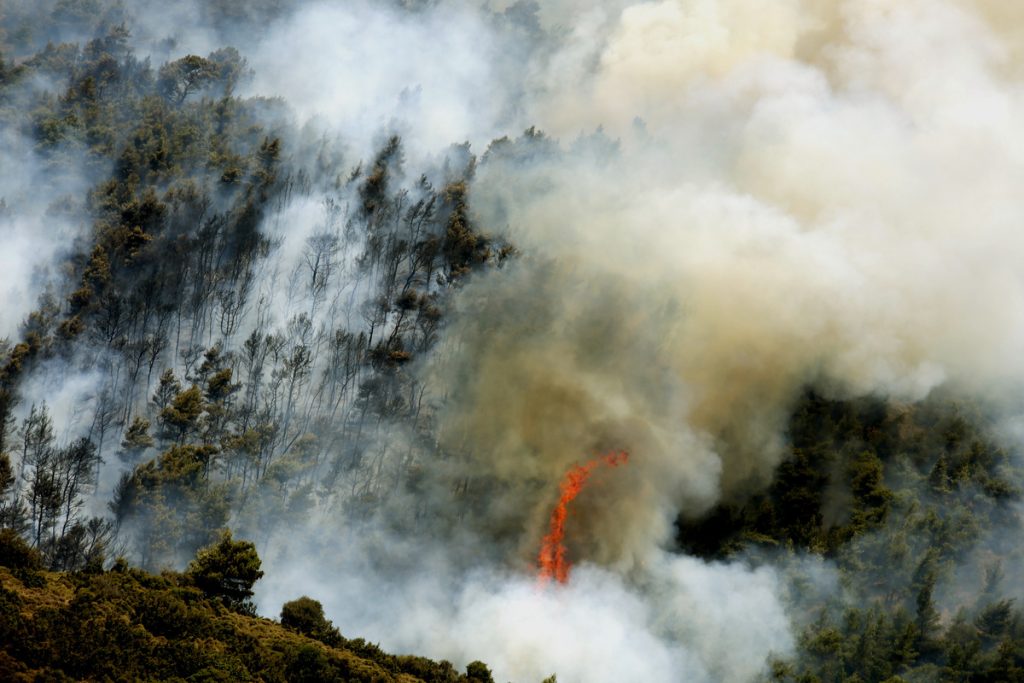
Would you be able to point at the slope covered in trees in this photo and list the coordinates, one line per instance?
(166, 287)
(916, 506)
(126, 625)
(272, 373)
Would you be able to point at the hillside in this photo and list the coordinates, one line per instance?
(628, 340)
(127, 625)
(915, 506)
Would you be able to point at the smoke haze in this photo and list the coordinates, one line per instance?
(731, 201)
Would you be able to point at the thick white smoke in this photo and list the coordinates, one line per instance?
(677, 618)
(820, 197)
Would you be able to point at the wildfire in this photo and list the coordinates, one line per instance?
(552, 562)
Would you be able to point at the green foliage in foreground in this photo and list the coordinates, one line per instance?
(128, 625)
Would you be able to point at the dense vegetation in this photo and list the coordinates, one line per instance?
(916, 506)
(127, 625)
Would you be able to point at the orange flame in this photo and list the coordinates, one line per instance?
(552, 561)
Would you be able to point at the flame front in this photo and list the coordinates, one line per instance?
(552, 562)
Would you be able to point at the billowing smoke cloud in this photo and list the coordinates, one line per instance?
(819, 197)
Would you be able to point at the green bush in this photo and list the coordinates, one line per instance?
(15, 553)
(228, 569)
(306, 616)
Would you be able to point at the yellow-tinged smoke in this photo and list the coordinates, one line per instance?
(823, 193)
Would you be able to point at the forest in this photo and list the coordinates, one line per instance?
(281, 393)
